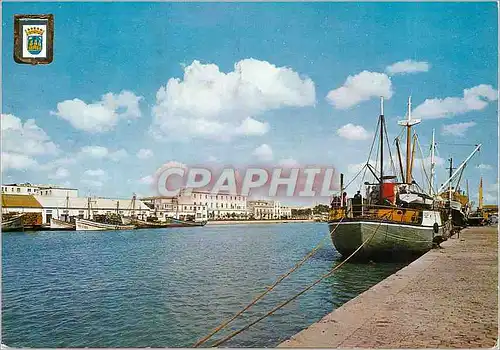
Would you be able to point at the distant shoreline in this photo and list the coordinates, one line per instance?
(244, 222)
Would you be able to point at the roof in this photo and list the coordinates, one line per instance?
(96, 203)
(19, 201)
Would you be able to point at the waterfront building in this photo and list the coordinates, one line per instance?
(69, 208)
(42, 190)
(199, 205)
(268, 209)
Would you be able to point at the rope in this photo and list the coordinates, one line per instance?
(259, 297)
(369, 158)
(232, 335)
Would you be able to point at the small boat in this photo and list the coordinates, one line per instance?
(90, 225)
(12, 223)
(184, 223)
(149, 224)
(60, 225)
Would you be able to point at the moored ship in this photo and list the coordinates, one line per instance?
(61, 225)
(395, 219)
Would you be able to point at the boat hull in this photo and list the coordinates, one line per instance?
(391, 241)
(59, 225)
(182, 223)
(88, 225)
(13, 224)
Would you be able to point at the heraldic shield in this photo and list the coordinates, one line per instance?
(35, 40)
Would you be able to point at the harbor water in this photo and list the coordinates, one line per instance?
(169, 287)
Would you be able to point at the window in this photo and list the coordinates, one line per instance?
(29, 189)
(18, 190)
(206, 196)
(194, 203)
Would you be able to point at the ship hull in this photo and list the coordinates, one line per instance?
(88, 225)
(59, 225)
(13, 224)
(391, 241)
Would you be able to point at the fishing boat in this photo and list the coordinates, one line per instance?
(173, 222)
(478, 217)
(396, 219)
(90, 225)
(12, 222)
(101, 222)
(62, 222)
(60, 225)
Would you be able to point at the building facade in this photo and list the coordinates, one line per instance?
(200, 206)
(268, 210)
(41, 190)
(69, 208)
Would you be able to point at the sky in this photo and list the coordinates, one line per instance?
(134, 86)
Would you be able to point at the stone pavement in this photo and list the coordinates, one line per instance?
(448, 298)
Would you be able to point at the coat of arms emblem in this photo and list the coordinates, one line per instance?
(34, 39)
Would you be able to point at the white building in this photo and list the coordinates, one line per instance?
(80, 207)
(42, 190)
(268, 209)
(200, 206)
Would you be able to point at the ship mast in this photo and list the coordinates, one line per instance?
(433, 164)
(408, 123)
(457, 170)
(480, 207)
(381, 147)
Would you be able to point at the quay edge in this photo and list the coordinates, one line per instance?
(446, 298)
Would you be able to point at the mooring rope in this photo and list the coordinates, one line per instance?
(232, 335)
(270, 288)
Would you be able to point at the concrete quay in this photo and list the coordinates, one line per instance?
(448, 298)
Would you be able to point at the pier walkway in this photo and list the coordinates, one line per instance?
(446, 298)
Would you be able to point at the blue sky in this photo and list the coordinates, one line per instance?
(288, 58)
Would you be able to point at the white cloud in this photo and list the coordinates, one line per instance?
(407, 67)
(263, 152)
(288, 163)
(474, 99)
(426, 162)
(92, 183)
(100, 152)
(458, 129)
(353, 132)
(211, 104)
(99, 174)
(100, 116)
(56, 163)
(360, 87)
(117, 155)
(250, 126)
(17, 161)
(147, 180)
(94, 151)
(212, 159)
(144, 153)
(484, 167)
(60, 173)
(25, 138)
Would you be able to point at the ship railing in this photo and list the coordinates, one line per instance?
(376, 212)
